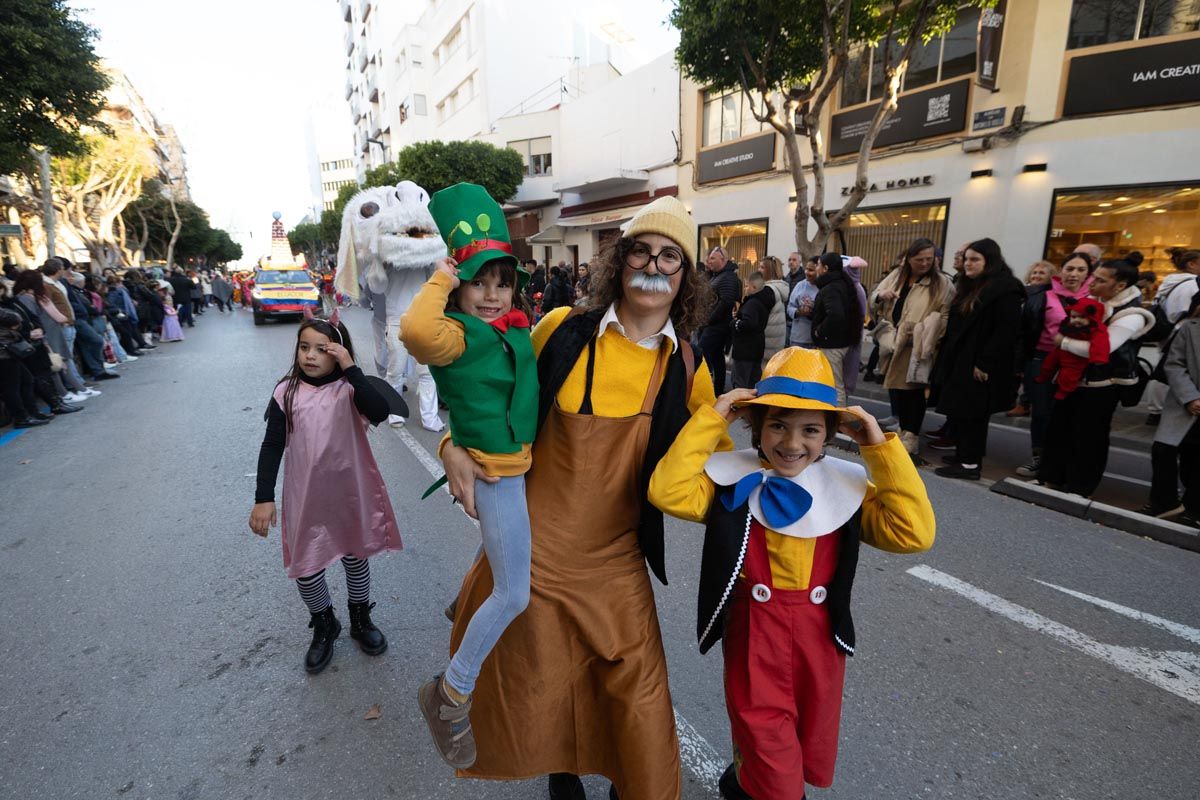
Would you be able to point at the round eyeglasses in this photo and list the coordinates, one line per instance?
(667, 261)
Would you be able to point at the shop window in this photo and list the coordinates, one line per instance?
(1097, 22)
(940, 59)
(880, 235)
(744, 241)
(726, 117)
(1120, 219)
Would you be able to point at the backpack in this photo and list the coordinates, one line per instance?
(1162, 325)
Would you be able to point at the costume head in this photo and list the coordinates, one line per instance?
(385, 228)
(474, 228)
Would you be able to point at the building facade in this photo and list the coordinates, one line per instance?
(336, 172)
(1078, 125)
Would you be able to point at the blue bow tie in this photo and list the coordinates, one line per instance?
(782, 501)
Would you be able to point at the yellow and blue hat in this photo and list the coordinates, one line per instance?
(801, 378)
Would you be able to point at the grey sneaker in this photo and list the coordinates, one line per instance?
(449, 724)
(1030, 470)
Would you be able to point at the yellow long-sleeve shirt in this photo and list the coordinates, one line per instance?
(434, 339)
(897, 516)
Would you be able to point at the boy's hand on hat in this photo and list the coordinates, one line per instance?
(724, 404)
(450, 267)
(865, 430)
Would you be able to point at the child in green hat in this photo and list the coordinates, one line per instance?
(470, 324)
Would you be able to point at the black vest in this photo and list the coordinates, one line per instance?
(725, 542)
(670, 413)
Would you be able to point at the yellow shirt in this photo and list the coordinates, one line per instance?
(897, 516)
(622, 373)
(433, 338)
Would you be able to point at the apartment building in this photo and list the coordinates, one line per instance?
(1074, 121)
(336, 171)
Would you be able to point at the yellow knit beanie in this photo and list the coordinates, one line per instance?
(666, 216)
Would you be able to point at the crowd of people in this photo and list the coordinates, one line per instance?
(64, 330)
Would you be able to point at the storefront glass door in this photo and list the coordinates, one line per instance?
(880, 235)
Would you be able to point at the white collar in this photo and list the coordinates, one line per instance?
(651, 342)
(837, 488)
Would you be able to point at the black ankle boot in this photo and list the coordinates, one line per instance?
(730, 788)
(370, 639)
(326, 629)
(565, 786)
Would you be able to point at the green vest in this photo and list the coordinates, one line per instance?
(491, 389)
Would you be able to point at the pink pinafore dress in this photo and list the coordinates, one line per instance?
(335, 502)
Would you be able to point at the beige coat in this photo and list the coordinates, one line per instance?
(920, 304)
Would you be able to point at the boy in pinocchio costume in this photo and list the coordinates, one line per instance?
(469, 326)
(784, 523)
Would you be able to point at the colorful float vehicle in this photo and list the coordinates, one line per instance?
(282, 284)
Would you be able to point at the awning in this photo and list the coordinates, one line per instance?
(552, 235)
(608, 218)
(610, 179)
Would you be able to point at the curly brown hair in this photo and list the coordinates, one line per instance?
(690, 309)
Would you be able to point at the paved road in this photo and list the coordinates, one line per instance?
(151, 646)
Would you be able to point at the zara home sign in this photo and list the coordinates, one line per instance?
(1134, 77)
(900, 183)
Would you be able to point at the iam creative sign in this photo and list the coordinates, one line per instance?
(1135, 77)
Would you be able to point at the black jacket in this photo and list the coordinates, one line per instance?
(837, 320)
(557, 293)
(727, 288)
(1033, 319)
(987, 337)
(81, 304)
(183, 288)
(750, 325)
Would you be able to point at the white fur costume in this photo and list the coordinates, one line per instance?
(388, 246)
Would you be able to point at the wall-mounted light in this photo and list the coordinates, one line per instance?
(1034, 167)
(981, 173)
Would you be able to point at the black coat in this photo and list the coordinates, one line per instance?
(750, 325)
(837, 320)
(183, 288)
(727, 288)
(1033, 319)
(988, 337)
(557, 293)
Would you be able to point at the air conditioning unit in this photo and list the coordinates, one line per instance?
(977, 145)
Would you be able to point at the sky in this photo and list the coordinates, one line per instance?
(246, 83)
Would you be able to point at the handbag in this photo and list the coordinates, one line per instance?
(19, 349)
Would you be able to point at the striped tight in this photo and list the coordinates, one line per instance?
(315, 591)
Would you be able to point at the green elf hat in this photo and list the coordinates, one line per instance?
(474, 229)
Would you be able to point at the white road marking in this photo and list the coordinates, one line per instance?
(698, 756)
(1178, 629)
(1127, 479)
(1175, 671)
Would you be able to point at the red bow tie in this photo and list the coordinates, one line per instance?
(513, 319)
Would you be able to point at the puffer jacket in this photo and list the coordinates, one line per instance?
(776, 332)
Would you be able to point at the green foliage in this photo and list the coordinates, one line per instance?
(52, 84)
(331, 219)
(306, 238)
(223, 249)
(435, 165)
(150, 216)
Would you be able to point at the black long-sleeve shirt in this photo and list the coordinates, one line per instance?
(369, 402)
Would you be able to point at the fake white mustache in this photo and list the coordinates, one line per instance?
(656, 283)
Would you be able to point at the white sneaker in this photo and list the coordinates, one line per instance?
(131, 358)
(90, 392)
(395, 420)
(438, 429)
(72, 397)
(110, 367)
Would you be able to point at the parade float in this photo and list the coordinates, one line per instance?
(283, 286)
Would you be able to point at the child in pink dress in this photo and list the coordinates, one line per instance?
(335, 503)
(172, 331)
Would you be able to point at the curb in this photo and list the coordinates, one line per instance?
(1159, 530)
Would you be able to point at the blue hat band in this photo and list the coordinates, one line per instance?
(807, 390)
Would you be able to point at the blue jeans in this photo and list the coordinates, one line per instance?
(91, 348)
(1041, 401)
(185, 314)
(504, 523)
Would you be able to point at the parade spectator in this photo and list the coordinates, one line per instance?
(222, 292)
(854, 267)
(1092, 251)
(590, 647)
(33, 293)
(749, 331)
(36, 358)
(915, 301)
(1076, 450)
(196, 292)
(800, 305)
(714, 336)
(172, 331)
(1170, 302)
(537, 279)
(1148, 285)
(776, 332)
(90, 342)
(836, 319)
(16, 382)
(1175, 454)
(181, 296)
(1043, 315)
(1037, 280)
(558, 291)
(148, 302)
(581, 284)
(206, 288)
(1040, 273)
(117, 306)
(977, 363)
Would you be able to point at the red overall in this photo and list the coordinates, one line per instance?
(783, 676)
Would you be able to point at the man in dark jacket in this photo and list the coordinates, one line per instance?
(88, 339)
(749, 332)
(537, 279)
(558, 292)
(181, 286)
(714, 336)
(836, 318)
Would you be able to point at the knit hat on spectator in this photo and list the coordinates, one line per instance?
(666, 216)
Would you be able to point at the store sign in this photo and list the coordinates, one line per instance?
(1136, 77)
(991, 32)
(992, 118)
(920, 115)
(11, 230)
(900, 183)
(743, 157)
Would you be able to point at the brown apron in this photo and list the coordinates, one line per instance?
(578, 683)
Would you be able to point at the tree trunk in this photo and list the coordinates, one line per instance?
(175, 232)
